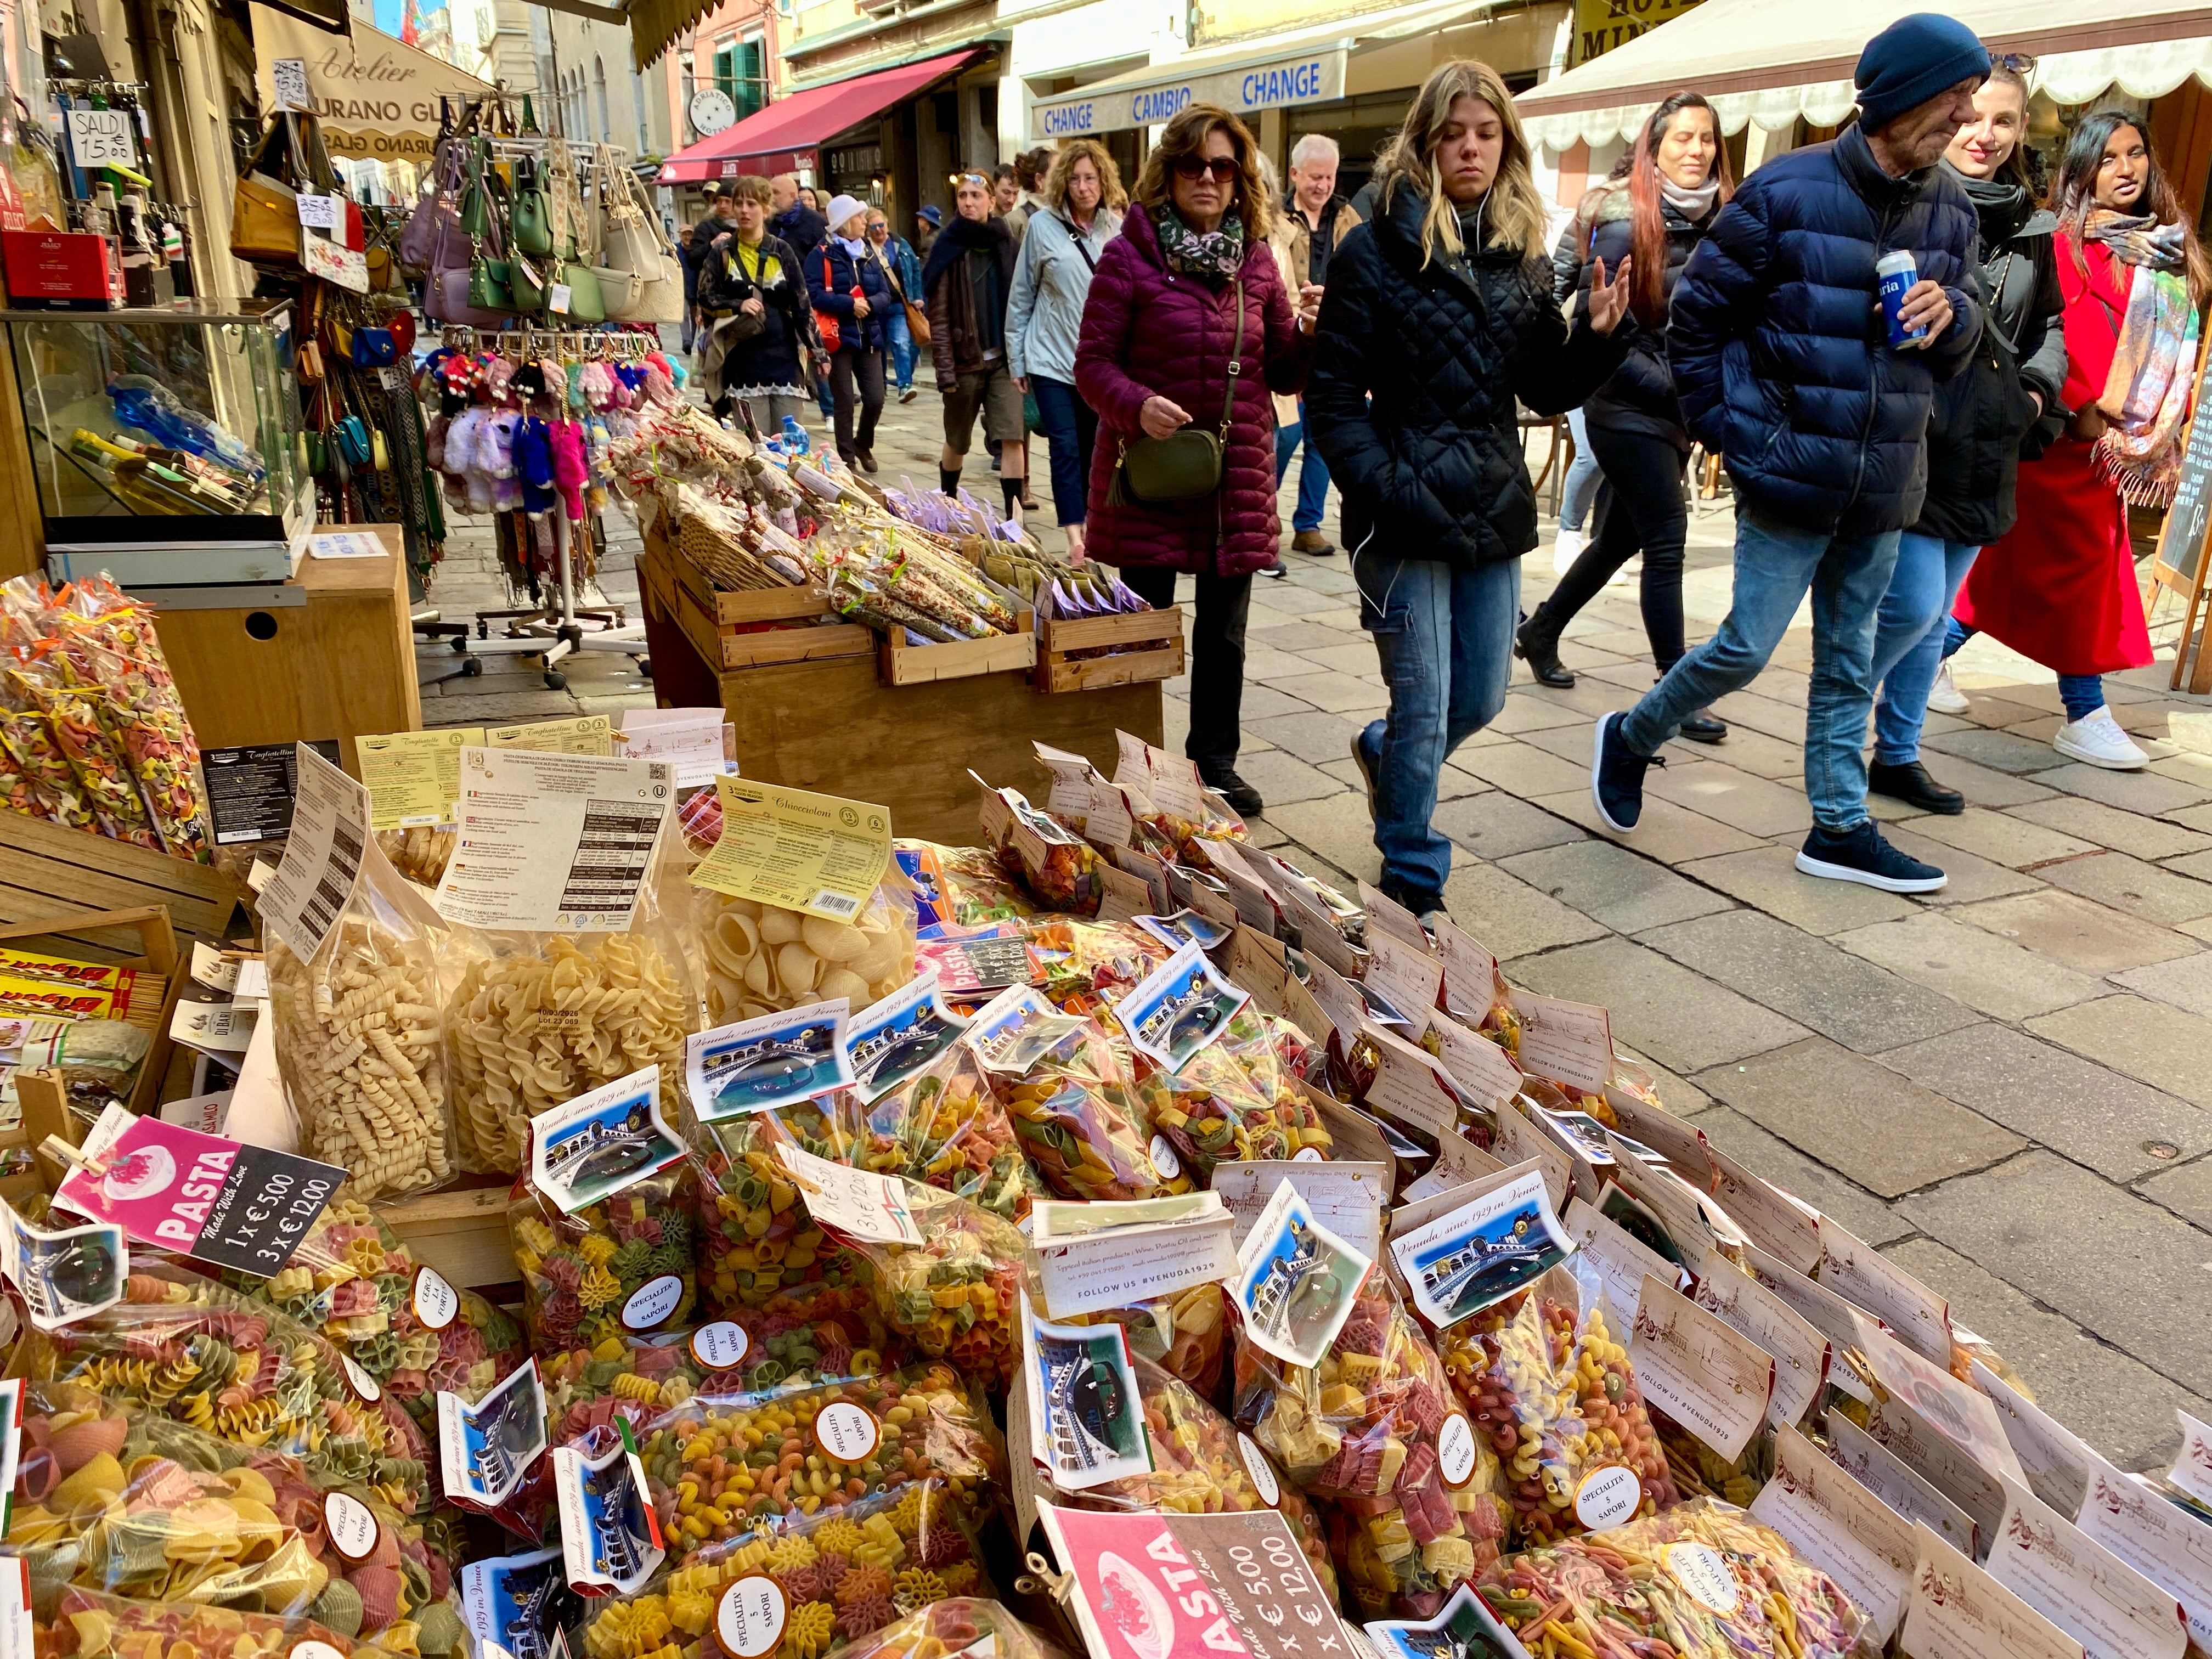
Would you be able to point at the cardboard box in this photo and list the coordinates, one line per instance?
(61, 270)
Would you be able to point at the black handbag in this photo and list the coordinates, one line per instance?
(1185, 465)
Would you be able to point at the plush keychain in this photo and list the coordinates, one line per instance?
(497, 449)
(533, 464)
(468, 483)
(570, 469)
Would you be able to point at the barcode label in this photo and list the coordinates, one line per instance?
(836, 904)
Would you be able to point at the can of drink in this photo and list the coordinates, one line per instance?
(1897, 273)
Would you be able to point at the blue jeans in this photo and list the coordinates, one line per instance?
(1445, 637)
(1313, 474)
(1071, 433)
(1583, 478)
(1775, 564)
(901, 349)
(2080, 695)
(1908, 641)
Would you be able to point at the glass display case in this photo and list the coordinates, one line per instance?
(172, 431)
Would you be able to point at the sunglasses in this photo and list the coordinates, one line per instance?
(1223, 168)
(2020, 63)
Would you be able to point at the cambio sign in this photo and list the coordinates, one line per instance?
(1313, 78)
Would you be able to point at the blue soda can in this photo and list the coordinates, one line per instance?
(1897, 272)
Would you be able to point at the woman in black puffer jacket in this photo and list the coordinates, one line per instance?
(1676, 183)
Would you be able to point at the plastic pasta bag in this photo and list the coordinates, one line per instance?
(760, 1249)
(718, 1468)
(1181, 1333)
(360, 1041)
(91, 1624)
(954, 1291)
(1089, 964)
(761, 958)
(1701, 1578)
(1212, 1110)
(941, 1127)
(957, 1625)
(195, 1351)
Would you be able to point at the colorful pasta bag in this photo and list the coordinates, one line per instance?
(1089, 964)
(954, 1626)
(761, 958)
(92, 1624)
(1057, 867)
(760, 1249)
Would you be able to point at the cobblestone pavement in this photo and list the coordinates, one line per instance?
(2004, 1086)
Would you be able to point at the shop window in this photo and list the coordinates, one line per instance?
(739, 72)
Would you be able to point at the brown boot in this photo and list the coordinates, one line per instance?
(1312, 542)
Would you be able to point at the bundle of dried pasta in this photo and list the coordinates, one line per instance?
(762, 958)
(537, 1019)
(359, 1040)
(422, 854)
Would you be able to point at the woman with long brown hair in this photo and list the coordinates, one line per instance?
(2060, 588)
(1655, 218)
(1439, 317)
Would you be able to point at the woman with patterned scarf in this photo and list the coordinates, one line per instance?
(2060, 588)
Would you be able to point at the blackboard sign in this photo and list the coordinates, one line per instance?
(2186, 520)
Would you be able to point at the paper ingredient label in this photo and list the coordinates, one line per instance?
(775, 1060)
(2192, 1466)
(1347, 1198)
(1800, 1351)
(486, 1450)
(1887, 1476)
(1386, 915)
(1820, 1307)
(592, 1146)
(1118, 1255)
(701, 744)
(1296, 1280)
(1485, 1070)
(1570, 1042)
(322, 856)
(1084, 1403)
(516, 1604)
(1920, 1318)
(611, 1541)
(1947, 1466)
(1256, 905)
(1404, 973)
(65, 1275)
(1956, 1611)
(1461, 1629)
(1410, 1086)
(1070, 782)
(857, 1202)
(1769, 1217)
(1178, 1008)
(1460, 1263)
(1841, 1527)
(414, 778)
(2058, 1464)
(2160, 1538)
(553, 843)
(583, 734)
(1621, 1263)
(1709, 1378)
(1960, 1414)
(889, 1041)
(2082, 1587)
(1470, 975)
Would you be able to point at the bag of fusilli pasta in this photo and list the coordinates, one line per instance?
(360, 1041)
(534, 1020)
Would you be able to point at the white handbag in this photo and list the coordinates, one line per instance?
(635, 246)
(619, 283)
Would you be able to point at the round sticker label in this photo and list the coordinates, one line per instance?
(437, 1304)
(720, 1345)
(351, 1525)
(363, 1384)
(846, 1431)
(750, 1619)
(653, 1301)
(1262, 1471)
(314, 1651)
(1699, 1569)
(1165, 1160)
(1307, 1155)
(1608, 1497)
(1456, 1450)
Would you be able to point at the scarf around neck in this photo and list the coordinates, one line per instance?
(2146, 396)
(1691, 205)
(1215, 253)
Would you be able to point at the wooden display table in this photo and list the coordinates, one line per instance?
(832, 725)
(341, 663)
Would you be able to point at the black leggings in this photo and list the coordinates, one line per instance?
(1216, 659)
(1648, 511)
(868, 364)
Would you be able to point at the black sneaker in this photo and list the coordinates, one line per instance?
(1234, 790)
(1862, 856)
(1703, 727)
(1428, 908)
(1617, 776)
(1366, 768)
(1910, 783)
(1279, 570)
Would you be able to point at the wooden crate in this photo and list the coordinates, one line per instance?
(461, 1232)
(1142, 645)
(53, 876)
(746, 630)
(901, 664)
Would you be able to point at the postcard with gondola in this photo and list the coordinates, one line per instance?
(776, 1060)
(890, 1041)
(611, 1538)
(518, 1603)
(1296, 1280)
(489, 1447)
(1178, 1008)
(65, 1275)
(1088, 1416)
(589, 1148)
(1482, 1252)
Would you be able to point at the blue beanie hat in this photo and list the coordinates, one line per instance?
(1912, 60)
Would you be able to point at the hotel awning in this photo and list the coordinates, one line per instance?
(774, 139)
(1769, 63)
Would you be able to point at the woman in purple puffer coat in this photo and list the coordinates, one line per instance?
(1159, 329)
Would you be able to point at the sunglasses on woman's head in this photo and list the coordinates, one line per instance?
(2020, 63)
(1223, 168)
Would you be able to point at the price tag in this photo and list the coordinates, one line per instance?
(847, 1432)
(318, 212)
(557, 297)
(101, 137)
(288, 80)
(350, 1524)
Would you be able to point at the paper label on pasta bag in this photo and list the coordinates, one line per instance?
(322, 857)
(819, 854)
(611, 1538)
(486, 1450)
(414, 778)
(890, 1041)
(553, 843)
(1570, 1042)
(1404, 973)
(588, 1149)
(1499, 1242)
(1620, 1262)
(1470, 973)
(1709, 1377)
(1179, 1008)
(63, 1275)
(775, 1060)
(1088, 1413)
(2160, 1538)
(1800, 1352)
(1768, 1218)
(2192, 1466)
(1070, 783)
(1160, 1248)
(2080, 1586)
(1820, 1307)
(1296, 1280)
(1841, 1527)
(1919, 1318)
(583, 734)
(701, 744)
(1478, 1065)
(1960, 1414)
(219, 1027)
(1410, 1086)
(2057, 1462)
(1949, 1467)
(1346, 1197)
(1887, 1476)
(858, 1202)
(1956, 1611)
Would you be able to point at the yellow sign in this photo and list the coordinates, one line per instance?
(819, 854)
(1601, 25)
(585, 734)
(413, 778)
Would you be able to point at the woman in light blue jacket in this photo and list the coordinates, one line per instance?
(905, 273)
(1082, 212)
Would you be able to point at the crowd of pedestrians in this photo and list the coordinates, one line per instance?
(1937, 386)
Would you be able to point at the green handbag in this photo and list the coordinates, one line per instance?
(1184, 465)
(490, 282)
(586, 304)
(528, 285)
(476, 201)
(530, 226)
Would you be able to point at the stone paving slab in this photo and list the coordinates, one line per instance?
(2150, 1041)
(1623, 891)
(1671, 833)
(1686, 1020)
(1767, 878)
(1970, 965)
(1497, 825)
(2184, 981)
(1508, 916)
(2076, 931)
(2123, 831)
(2147, 892)
(2017, 843)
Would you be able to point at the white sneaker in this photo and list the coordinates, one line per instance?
(1567, 550)
(1944, 697)
(2096, 737)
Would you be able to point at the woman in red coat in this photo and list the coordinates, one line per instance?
(1159, 332)
(2060, 586)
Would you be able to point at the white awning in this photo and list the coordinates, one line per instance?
(1768, 62)
(1298, 66)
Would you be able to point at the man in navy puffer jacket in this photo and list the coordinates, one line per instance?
(1781, 359)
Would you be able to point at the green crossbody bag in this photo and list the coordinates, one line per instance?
(1185, 465)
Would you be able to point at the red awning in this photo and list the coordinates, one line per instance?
(771, 139)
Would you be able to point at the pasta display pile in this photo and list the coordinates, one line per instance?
(761, 958)
(535, 1023)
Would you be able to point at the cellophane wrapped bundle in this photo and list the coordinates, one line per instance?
(759, 1248)
(1065, 1082)
(91, 1624)
(1184, 1334)
(582, 1274)
(955, 1294)
(956, 1625)
(762, 958)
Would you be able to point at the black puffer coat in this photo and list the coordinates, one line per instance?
(1780, 355)
(1412, 398)
(1641, 397)
(1979, 415)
